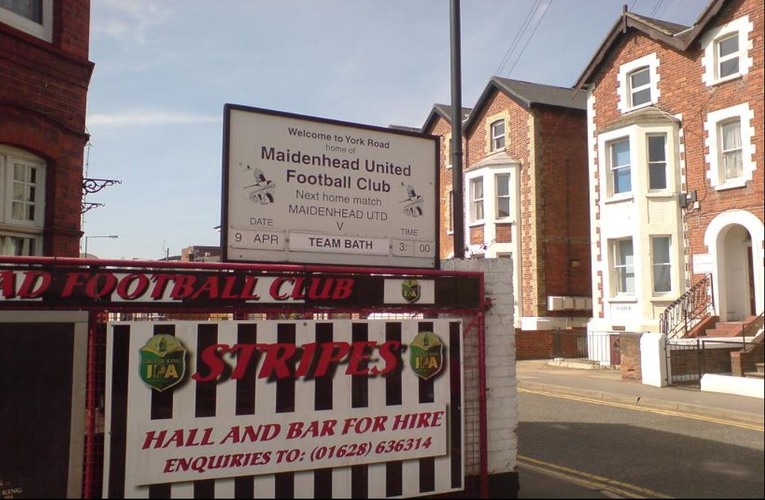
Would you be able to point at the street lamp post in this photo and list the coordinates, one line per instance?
(85, 250)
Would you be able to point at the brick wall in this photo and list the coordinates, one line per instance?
(548, 344)
(629, 352)
(443, 129)
(683, 92)
(550, 144)
(43, 105)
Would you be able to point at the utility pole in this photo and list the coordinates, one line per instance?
(458, 205)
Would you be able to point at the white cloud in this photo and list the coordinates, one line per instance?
(128, 20)
(148, 117)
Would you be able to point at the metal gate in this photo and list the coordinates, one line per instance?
(685, 362)
(165, 292)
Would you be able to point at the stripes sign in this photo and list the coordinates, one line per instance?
(285, 409)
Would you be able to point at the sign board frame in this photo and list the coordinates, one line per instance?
(307, 190)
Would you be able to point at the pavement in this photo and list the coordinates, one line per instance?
(579, 379)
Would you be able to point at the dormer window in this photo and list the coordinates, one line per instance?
(638, 83)
(498, 135)
(727, 56)
(727, 51)
(640, 87)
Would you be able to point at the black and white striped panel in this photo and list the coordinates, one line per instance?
(130, 401)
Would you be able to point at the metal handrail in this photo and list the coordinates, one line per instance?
(687, 310)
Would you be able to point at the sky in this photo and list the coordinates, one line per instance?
(164, 69)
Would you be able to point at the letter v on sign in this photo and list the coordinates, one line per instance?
(340, 225)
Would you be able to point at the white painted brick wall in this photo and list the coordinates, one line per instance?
(502, 393)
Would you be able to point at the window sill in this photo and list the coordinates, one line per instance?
(660, 194)
(640, 106)
(735, 184)
(719, 81)
(477, 223)
(663, 297)
(623, 299)
(619, 198)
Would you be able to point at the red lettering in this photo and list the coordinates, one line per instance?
(72, 280)
(306, 359)
(123, 288)
(275, 290)
(210, 286)
(242, 360)
(343, 288)
(228, 285)
(277, 356)
(331, 352)
(170, 465)
(298, 289)
(389, 356)
(161, 281)
(358, 362)
(210, 357)
(313, 289)
(156, 440)
(31, 279)
(94, 291)
(8, 284)
(184, 286)
(250, 282)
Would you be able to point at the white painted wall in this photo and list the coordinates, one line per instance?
(501, 381)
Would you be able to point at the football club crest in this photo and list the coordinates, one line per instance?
(410, 290)
(426, 355)
(163, 362)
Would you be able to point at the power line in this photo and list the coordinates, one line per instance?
(518, 36)
(546, 8)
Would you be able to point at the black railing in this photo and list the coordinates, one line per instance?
(691, 307)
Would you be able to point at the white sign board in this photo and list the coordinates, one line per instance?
(249, 400)
(298, 189)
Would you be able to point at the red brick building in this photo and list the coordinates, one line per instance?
(525, 183)
(675, 140)
(45, 76)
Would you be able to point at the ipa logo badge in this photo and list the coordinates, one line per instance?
(410, 290)
(163, 362)
(426, 355)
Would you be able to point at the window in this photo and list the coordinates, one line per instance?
(727, 56)
(476, 200)
(34, 17)
(727, 51)
(498, 135)
(730, 141)
(729, 138)
(502, 182)
(662, 278)
(657, 161)
(620, 166)
(640, 87)
(22, 200)
(638, 83)
(624, 267)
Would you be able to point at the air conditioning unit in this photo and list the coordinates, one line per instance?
(555, 303)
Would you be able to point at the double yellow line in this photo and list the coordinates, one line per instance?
(591, 481)
(600, 483)
(670, 413)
